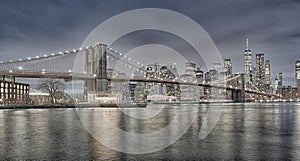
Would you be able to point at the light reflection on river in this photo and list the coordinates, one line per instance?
(244, 132)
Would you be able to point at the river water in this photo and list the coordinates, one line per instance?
(250, 131)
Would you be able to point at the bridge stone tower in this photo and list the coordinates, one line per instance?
(238, 95)
(96, 65)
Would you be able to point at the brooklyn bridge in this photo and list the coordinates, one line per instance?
(94, 73)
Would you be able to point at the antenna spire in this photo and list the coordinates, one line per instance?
(247, 44)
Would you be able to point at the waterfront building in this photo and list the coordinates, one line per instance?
(156, 70)
(12, 92)
(297, 73)
(39, 97)
(217, 67)
(268, 76)
(200, 79)
(190, 68)
(252, 76)
(228, 66)
(199, 75)
(260, 72)
(276, 85)
(289, 92)
(279, 88)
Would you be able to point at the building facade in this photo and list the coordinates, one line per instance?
(14, 93)
(228, 66)
(279, 77)
(190, 68)
(247, 60)
(268, 82)
(260, 72)
(297, 73)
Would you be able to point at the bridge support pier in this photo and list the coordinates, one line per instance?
(239, 94)
(96, 64)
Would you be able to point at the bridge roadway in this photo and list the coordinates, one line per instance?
(79, 76)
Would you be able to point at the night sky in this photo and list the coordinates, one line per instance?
(35, 27)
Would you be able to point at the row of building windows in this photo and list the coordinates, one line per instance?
(13, 93)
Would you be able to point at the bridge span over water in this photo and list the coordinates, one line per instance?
(59, 66)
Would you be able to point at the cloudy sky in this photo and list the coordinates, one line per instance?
(34, 27)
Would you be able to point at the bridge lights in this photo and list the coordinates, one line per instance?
(29, 58)
(45, 56)
(52, 54)
(70, 71)
(10, 71)
(20, 68)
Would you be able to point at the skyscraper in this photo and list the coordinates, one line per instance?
(199, 75)
(190, 68)
(297, 73)
(247, 60)
(268, 75)
(276, 85)
(217, 67)
(260, 71)
(228, 66)
(279, 87)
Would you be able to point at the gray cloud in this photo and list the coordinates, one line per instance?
(33, 27)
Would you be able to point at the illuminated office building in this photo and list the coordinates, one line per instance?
(228, 66)
(260, 72)
(297, 73)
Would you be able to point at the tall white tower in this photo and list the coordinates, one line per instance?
(247, 60)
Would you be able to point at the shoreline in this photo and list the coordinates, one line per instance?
(65, 106)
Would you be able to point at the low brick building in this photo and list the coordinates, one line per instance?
(13, 93)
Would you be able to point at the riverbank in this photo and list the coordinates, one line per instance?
(81, 105)
(44, 106)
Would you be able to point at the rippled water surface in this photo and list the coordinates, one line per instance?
(244, 132)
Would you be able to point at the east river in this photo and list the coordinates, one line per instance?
(250, 131)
